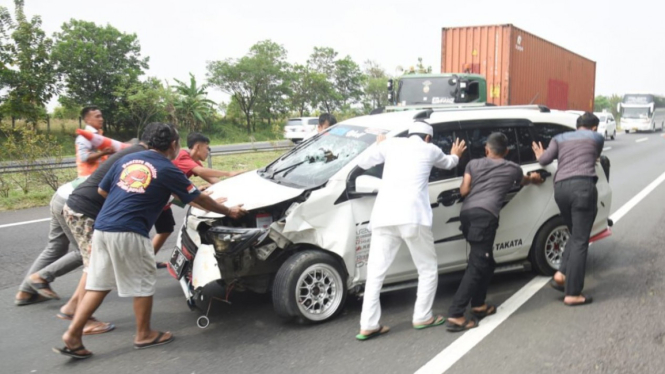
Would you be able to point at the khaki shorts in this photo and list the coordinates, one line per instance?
(81, 227)
(122, 259)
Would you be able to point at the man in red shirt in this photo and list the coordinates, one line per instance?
(189, 162)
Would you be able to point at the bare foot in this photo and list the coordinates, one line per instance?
(559, 278)
(21, 295)
(152, 336)
(574, 300)
(73, 343)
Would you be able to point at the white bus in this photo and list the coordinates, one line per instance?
(642, 112)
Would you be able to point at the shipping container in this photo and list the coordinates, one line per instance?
(520, 67)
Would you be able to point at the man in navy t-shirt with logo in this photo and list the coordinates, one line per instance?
(137, 188)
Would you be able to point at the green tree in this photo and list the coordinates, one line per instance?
(95, 62)
(419, 68)
(306, 87)
(375, 86)
(343, 77)
(246, 79)
(191, 105)
(272, 102)
(62, 112)
(6, 26)
(614, 100)
(600, 103)
(32, 81)
(144, 102)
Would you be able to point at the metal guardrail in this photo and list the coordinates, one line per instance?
(17, 167)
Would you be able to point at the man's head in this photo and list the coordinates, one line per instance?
(92, 116)
(325, 120)
(198, 145)
(422, 130)
(162, 137)
(587, 121)
(497, 145)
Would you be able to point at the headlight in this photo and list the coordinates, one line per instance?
(229, 241)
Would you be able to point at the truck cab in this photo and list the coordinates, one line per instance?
(418, 91)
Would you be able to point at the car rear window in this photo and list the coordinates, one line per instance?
(313, 121)
(294, 122)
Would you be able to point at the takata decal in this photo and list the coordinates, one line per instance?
(136, 176)
(508, 244)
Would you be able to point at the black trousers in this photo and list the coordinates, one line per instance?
(577, 199)
(479, 228)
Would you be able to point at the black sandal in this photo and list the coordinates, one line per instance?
(557, 286)
(491, 309)
(72, 352)
(453, 327)
(156, 342)
(44, 289)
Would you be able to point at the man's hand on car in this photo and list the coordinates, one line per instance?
(236, 212)
(107, 151)
(538, 149)
(458, 148)
(380, 138)
(536, 178)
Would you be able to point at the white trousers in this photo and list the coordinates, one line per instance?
(383, 249)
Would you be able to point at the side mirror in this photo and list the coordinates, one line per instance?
(368, 184)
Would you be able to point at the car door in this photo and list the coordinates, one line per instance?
(446, 203)
(520, 210)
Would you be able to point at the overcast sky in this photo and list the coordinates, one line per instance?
(623, 37)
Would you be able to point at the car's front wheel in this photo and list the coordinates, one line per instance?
(310, 285)
(547, 250)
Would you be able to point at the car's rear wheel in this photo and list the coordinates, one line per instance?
(614, 135)
(627, 131)
(310, 285)
(547, 250)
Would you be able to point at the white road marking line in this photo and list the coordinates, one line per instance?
(24, 223)
(452, 353)
(455, 351)
(641, 140)
(607, 148)
(636, 199)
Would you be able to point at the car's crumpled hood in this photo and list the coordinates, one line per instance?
(248, 189)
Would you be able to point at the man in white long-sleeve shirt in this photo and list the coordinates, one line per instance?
(402, 213)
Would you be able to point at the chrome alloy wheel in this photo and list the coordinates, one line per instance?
(555, 244)
(319, 292)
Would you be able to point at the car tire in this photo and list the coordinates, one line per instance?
(311, 286)
(614, 135)
(547, 250)
(627, 131)
(605, 135)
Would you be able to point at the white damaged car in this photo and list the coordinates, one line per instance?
(306, 238)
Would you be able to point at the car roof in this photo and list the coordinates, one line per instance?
(400, 121)
(602, 113)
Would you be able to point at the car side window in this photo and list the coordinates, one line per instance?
(478, 138)
(544, 132)
(443, 140)
(524, 145)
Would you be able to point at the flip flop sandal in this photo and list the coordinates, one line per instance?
(34, 299)
(155, 342)
(44, 289)
(557, 286)
(453, 327)
(587, 300)
(382, 330)
(72, 352)
(438, 321)
(491, 309)
(100, 329)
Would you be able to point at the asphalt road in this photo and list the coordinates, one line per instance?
(623, 331)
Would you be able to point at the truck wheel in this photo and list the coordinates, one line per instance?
(547, 250)
(310, 285)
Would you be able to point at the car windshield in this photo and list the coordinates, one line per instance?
(431, 90)
(312, 163)
(635, 113)
(294, 122)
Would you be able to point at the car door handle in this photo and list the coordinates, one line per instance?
(450, 197)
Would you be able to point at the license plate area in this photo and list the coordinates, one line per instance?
(178, 262)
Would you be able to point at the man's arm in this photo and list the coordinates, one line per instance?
(465, 188)
(102, 192)
(208, 203)
(546, 157)
(213, 176)
(444, 161)
(374, 155)
(85, 153)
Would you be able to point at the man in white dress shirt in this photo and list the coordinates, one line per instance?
(402, 213)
